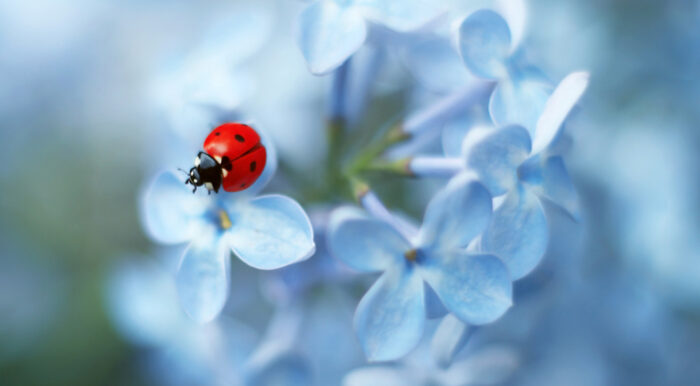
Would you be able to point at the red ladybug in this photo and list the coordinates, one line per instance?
(233, 157)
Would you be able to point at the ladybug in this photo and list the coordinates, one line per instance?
(233, 157)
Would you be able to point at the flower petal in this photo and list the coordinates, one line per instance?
(518, 102)
(237, 35)
(451, 335)
(170, 213)
(557, 108)
(495, 154)
(376, 376)
(550, 179)
(271, 232)
(491, 365)
(203, 278)
(515, 13)
(402, 16)
(475, 288)
(484, 43)
(367, 244)
(390, 317)
(456, 214)
(211, 85)
(283, 369)
(143, 302)
(454, 130)
(329, 34)
(518, 232)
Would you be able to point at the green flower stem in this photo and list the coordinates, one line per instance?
(393, 136)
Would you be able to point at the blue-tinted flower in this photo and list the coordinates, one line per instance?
(330, 31)
(475, 287)
(486, 46)
(142, 301)
(485, 364)
(265, 232)
(512, 165)
(489, 366)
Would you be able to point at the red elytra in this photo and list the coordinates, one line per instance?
(241, 145)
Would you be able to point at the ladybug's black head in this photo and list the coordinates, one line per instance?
(194, 177)
(206, 171)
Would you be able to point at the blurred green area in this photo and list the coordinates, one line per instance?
(75, 206)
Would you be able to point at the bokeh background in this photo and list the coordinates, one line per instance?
(79, 134)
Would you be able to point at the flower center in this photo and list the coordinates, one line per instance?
(411, 255)
(224, 220)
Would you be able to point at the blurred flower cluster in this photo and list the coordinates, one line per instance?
(415, 222)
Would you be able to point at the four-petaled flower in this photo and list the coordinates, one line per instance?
(485, 44)
(519, 171)
(266, 232)
(508, 162)
(475, 287)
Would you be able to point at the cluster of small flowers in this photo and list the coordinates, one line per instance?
(500, 122)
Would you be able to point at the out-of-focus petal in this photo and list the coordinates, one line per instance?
(515, 13)
(143, 303)
(390, 317)
(436, 65)
(240, 33)
(453, 134)
(484, 43)
(518, 102)
(203, 277)
(368, 244)
(492, 365)
(283, 369)
(451, 335)
(518, 232)
(169, 211)
(456, 214)
(495, 154)
(557, 108)
(210, 85)
(551, 180)
(376, 376)
(475, 288)
(270, 232)
(328, 34)
(402, 16)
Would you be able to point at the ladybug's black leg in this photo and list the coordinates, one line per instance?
(194, 190)
(208, 192)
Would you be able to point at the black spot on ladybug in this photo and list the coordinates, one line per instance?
(253, 165)
(239, 138)
(242, 185)
(226, 163)
(217, 134)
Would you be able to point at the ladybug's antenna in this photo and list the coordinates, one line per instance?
(187, 181)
